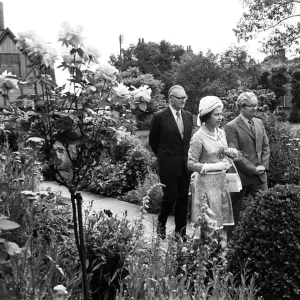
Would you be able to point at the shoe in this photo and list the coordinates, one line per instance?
(161, 231)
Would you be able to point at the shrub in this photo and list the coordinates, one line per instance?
(121, 172)
(285, 150)
(267, 242)
(295, 115)
(295, 88)
(16, 175)
(178, 272)
(109, 239)
(266, 98)
(155, 195)
(49, 256)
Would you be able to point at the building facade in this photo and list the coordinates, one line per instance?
(14, 61)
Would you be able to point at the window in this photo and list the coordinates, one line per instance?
(10, 63)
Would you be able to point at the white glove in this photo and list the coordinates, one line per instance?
(219, 166)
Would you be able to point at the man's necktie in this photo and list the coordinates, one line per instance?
(251, 126)
(180, 124)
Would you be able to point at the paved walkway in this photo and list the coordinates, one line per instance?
(116, 206)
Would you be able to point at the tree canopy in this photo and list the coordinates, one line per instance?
(278, 18)
(238, 68)
(197, 74)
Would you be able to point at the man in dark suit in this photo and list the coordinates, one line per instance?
(247, 134)
(169, 138)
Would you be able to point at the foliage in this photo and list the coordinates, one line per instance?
(238, 68)
(34, 256)
(278, 80)
(197, 73)
(83, 115)
(266, 99)
(51, 243)
(122, 171)
(18, 171)
(295, 88)
(109, 240)
(180, 273)
(134, 77)
(264, 79)
(151, 58)
(278, 19)
(294, 116)
(267, 242)
(284, 155)
(149, 187)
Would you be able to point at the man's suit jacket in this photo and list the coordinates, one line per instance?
(167, 144)
(256, 148)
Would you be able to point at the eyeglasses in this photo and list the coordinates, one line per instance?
(251, 106)
(180, 98)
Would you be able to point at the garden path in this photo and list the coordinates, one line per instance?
(116, 206)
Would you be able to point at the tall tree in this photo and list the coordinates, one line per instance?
(278, 18)
(127, 59)
(239, 68)
(295, 82)
(151, 58)
(197, 73)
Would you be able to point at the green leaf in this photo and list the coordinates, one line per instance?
(8, 225)
(32, 113)
(97, 266)
(80, 52)
(143, 106)
(91, 80)
(2, 217)
(11, 247)
(78, 73)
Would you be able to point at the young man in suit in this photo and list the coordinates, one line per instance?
(247, 134)
(169, 138)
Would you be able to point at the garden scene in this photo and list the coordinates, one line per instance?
(89, 136)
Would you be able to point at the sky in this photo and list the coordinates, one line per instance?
(202, 24)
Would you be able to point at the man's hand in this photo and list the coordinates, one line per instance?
(260, 170)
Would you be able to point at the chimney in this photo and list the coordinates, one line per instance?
(1, 17)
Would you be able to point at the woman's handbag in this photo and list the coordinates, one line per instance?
(233, 180)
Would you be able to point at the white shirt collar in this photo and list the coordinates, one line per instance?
(174, 111)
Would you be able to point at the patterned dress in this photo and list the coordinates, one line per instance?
(210, 187)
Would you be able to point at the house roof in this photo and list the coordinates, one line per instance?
(8, 32)
(4, 33)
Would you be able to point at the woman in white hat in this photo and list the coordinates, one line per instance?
(207, 159)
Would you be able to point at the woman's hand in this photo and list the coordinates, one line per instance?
(232, 153)
(223, 165)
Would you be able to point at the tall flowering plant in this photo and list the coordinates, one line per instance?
(82, 116)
